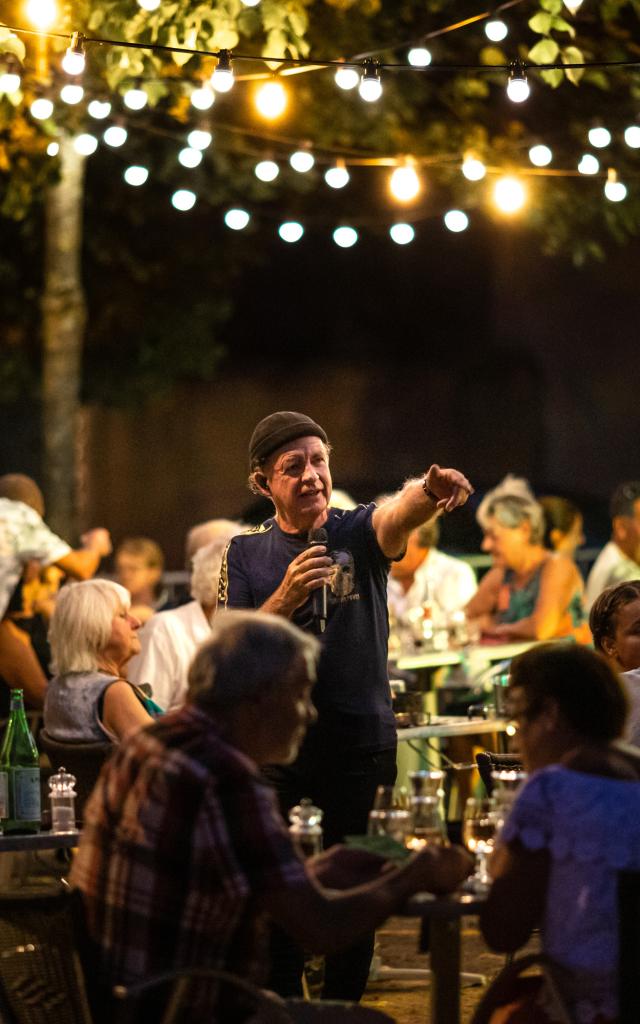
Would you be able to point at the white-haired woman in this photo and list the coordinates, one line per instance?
(92, 636)
(530, 593)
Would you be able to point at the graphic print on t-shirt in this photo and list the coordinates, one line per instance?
(343, 575)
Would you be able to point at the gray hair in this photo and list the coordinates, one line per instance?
(248, 653)
(81, 623)
(206, 564)
(202, 534)
(512, 502)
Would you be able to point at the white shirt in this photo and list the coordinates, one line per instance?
(449, 582)
(631, 682)
(168, 642)
(23, 535)
(611, 566)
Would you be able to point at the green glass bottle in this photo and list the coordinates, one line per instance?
(19, 773)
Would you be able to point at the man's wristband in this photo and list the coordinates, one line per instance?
(428, 492)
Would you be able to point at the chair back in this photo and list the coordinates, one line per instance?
(84, 760)
(488, 761)
(629, 940)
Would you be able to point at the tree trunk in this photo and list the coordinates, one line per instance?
(63, 321)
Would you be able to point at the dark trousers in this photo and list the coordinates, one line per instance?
(343, 785)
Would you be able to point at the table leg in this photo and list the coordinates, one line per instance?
(444, 938)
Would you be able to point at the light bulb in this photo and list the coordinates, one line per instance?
(53, 149)
(203, 98)
(632, 136)
(149, 5)
(85, 144)
(71, 94)
(99, 110)
(404, 183)
(183, 199)
(250, 3)
(338, 176)
(572, 5)
(266, 170)
(347, 78)
(236, 219)
(302, 161)
(456, 220)
(115, 136)
(599, 137)
(589, 164)
(509, 195)
(9, 82)
(345, 237)
(419, 57)
(222, 77)
(473, 170)
(42, 13)
(135, 99)
(370, 87)
(199, 139)
(496, 30)
(41, 109)
(74, 61)
(190, 157)
(517, 87)
(614, 190)
(291, 231)
(540, 156)
(136, 175)
(271, 100)
(402, 234)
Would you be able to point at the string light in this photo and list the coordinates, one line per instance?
(302, 161)
(345, 237)
(74, 59)
(199, 138)
(135, 99)
(347, 78)
(509, 195)
(85, 144)
(402, 233)
(370, 87)
(337, 176)
(9, 82)
(572, 5)
(71, 94)
(496, 30)
(149, 5)
(599, 137)
(236, 219)
(472, 168)
(614, 190)
(136, 175)
(404, 183)
(291, 231)
(203, 98)
(589, 164)
(115, 136)
(266, 170)
(456, 221)
(41, 109)
(632, 136)
(517, 87)
(222, 78)
(99, 110)
(250, 3)
(53, 149)
(190, 157)
(540, 156)
(183, 199)
(419, 57)
(42, 13)
(271, 100)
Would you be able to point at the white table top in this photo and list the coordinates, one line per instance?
(442, 726)
(478, 656)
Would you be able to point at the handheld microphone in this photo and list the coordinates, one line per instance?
(319, 597)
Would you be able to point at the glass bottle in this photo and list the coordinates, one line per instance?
(62, 797)
(305, 827)
(19, 773)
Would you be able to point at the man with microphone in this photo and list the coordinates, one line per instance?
(326, 570)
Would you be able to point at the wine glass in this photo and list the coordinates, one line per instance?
(479, 828)
(390, 814)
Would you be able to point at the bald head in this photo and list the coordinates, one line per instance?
(18, 487)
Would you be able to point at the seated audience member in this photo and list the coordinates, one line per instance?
(203, 534)
(615, 624)
(184, 852)
(93, 635)
(573, 826)
(619, 560)
(530, 593)
(170, 639)
(563, 530)
(139, 564)
(426, 574)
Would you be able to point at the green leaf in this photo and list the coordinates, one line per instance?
(554, 6)
(544, 52)
(553, 77)
(560, 25)
(492, 55)
(541, 23)
(572, 55)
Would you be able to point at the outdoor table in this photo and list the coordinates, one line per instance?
(14, 865)
(445, 726)
(477, 656)
(442, 916)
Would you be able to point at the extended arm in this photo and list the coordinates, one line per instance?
(440, 490)
(83, 562)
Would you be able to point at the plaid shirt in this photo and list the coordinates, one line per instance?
(181, 838)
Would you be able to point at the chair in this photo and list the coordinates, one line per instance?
(629, 938)
(488, 761)
(84, 760)
(502, 989)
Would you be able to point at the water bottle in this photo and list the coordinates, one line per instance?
(19, 773)
(62, 797)
(305, 828)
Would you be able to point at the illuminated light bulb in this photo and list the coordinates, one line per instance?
(347, 78)
(302, 161)
(370, 87)
(345, 237)
(190, 157)
(53, 149)
(572, 5)
(599, 137)
(85, 144)
(203, 98)
(338, 176)
(456, 220)
(136, 175)
(509, 195)
(135, 99)
(115, 136)
(199, 139)
(291, 231)
(614, 190)
(473, 169)
(419, 57)
(402, 234)
(271, 100)
(632, 136)
(71, 94)
(222, 78)
(149, 5)
(42, 13)
(9, 82)
(250, 3)
(183, 199)
(540, 156)
(496, 30)
(99, 110)
(266, 170)
(74, 60)
(404, 183)
(41, 109)
(517, 87)
(236, 219)
(589, 164)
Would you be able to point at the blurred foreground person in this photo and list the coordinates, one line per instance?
(139, 564)
(574, 825)
(184, 852)
(615, 623)
(619, 560)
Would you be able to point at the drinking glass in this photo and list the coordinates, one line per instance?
(427, 827)
(390, 815)
(479, 827)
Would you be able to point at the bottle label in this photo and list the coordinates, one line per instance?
(4, 795)
(26, 794)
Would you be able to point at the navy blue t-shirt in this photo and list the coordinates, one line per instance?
(352, 692)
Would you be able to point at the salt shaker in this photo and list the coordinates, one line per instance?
(62, 797)
(305, 827)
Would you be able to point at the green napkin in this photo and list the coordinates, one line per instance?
(383, 846)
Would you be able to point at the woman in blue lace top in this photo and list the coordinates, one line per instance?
(573, 826)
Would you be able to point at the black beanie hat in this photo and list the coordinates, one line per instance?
(276, 430)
